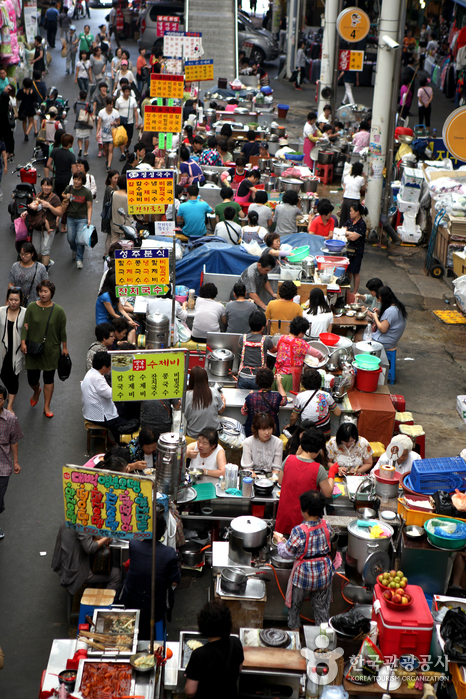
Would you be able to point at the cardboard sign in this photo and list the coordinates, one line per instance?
(174, 66)
(351, 60)
(167, 24)
(247, 47)
(182, 44)
(199, 70)
(104, 503)
(168, 86)
(144, 267)
(148, 189)
(353, 24)
(453, 133)
(165, 228)
(163, 119)
(147, 375)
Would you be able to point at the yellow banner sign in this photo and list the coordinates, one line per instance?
(168, 86)
(149, 190)
(105, 503)
(164, 119)
(194, 71)
(147, 375)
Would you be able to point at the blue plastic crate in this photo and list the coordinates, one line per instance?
(429, 475)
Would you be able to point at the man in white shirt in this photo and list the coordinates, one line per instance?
(230, 231)
(127, 108)
(98, 406)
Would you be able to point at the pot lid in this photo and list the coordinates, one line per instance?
(364, 532)
(248, 525)
(290, 180)
(157, 317)
(263, 483)
(222, 354)
(372, 346)
(169, 438)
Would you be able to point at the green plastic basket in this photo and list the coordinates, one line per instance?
(367, 361)
(299, 254)
(453, 544)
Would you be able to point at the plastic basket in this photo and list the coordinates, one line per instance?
(452, 544)
(299, 254)
(325, 262)
(429, 475)
(418, 517)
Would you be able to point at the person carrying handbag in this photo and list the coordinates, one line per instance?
(84, 122)
(83, 75)
(127, 108)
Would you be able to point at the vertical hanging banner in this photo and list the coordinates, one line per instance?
(168, 86)
(104, 503)
(167, 24)
(147, 375)
(163, 119)
(195, 71)
(30, 20)
(185, 44)
(149, 188)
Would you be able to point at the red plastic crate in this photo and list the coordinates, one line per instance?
(196, 359)
(406, 631)
(399, 403)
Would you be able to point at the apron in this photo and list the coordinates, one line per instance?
(295, 370)
(300, 560)
(249, 343)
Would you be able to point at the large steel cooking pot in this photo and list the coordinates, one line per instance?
(269, 186)
(172, 159)
(360, 545)
(309, 185)
(211, 176)
(264, 163)
(372, 347)
(279, 167)
(221, 362)
(251, 530)
(325, 157)
(274, 130)
(289, 184)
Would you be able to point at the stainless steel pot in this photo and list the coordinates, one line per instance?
(279, 167)
(234, 581)
(251, 530)
(360, 546)
(237, 154)
(305, 204)
(221, 362)
(325, 157)
(269, 186)
(157, 331)
(263, 487)
(211, 176)
(273, 147)
(209, 116)
(273, 138)
(264, 163)
(290, 184)
(372, 347)
(170, 463)
(309, 185)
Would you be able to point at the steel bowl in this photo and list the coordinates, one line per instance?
(360, 315)
(325, 157)
(414, 532)
(136, 656)
(279, 168)
(290, 184)
(367, 513)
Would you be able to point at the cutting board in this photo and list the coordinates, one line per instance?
(274, 659)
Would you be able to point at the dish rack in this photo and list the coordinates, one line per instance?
(429, 475)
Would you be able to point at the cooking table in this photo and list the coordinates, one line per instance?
(377, 416)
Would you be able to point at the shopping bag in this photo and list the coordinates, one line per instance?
(120, 137)
(21, 231)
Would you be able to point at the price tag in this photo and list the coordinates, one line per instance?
(162, 141)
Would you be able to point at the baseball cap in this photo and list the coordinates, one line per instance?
(53, 110)
(124, 63)
(264, 144)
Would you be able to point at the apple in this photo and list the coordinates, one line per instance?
(399, 591)
(393, 573)
(400, 574)
(396, 599)
(403, 584)
(404, 600)
(387, 594)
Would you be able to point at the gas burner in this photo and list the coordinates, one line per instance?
(275, 638)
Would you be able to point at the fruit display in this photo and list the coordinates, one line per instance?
(392, 580)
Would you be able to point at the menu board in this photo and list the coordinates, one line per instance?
(147, 375)
(167, 24)
(164, 119)
(148, 189)
(182, 44)
(198, 70)
(144, 268)
(104, 503)
(168, 86)
(174, 66)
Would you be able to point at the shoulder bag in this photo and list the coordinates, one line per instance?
(36, 349)
(298, 421)
(228, 227)
(26, 296)
(106, 214)
(124, 120)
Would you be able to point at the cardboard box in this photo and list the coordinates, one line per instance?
(412, 177)
(457, 226)
(409, 237)
(404, 206)
(410, 194)
(461, 407)
(459, 263)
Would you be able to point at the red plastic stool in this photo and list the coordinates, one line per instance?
(397, 400)
(419, 439)
(327, 176)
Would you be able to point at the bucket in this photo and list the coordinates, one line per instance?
(367, 381)
(339, 271)
(282, 110)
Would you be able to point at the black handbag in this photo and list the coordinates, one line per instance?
(64, 367)
(101, 561)
(36, 349)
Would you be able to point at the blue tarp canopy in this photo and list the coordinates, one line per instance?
(223, 258)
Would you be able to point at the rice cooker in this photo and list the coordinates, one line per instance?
(372, 347)
(221, 362)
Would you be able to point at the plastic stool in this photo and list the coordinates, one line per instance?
(324, 173)
(391, 356)
(399, 402)
(417, 434)
(94, 431)
(126, 438)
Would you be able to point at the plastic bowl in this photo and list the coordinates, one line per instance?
(335, 245)
(299, 254)
(367, 361)
(398, 607)
(329, 339)
(296, 157)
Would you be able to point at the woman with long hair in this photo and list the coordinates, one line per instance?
(262, 451)
(390, 319)
(319, 314)
(356, 235)
(6, 119)
(27, 108)
(11, 357)
(203, 403)
(353, 186)
(111, 185)
(264, 400)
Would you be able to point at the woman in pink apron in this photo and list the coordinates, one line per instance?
(247, 188)
(291, 352)
(309, 544)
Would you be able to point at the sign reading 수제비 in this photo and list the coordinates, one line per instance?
(147, 375)
(105, 503)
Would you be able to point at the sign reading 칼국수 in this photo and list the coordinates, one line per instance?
(142, 268)
(195, 71)
(163, 119)
(147, 375)
(149, 188)
(169, 86)
(105, 503)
